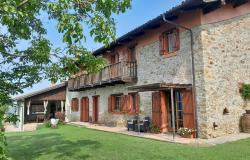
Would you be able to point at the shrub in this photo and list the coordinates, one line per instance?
(245, 91)
(154, 129)
(185, 131)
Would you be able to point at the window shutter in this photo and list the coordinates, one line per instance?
(156, 109)
(137, 103)
(110, 104)
(72, 104)
(123, 103)
(161, 39)
(176, 40)
(188, 109)
(87, 110)
(163, 43)
(129, 55)
(130, 104)
(93, 110)
(76, 105)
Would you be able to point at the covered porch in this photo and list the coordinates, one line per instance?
(173, 106)
(36, 107)
(40, 110)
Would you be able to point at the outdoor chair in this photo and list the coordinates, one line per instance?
(143, 126)
(131, 124)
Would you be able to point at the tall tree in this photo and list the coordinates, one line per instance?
(20, 22)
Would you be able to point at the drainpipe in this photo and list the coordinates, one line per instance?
(192, 65)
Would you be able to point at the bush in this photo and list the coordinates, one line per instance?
(154, 129)
(185, 131)
(245, 91)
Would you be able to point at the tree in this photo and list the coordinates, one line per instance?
(20, 23)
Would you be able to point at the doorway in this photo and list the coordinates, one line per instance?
(95, 109)
(183, 110)
(84, 109)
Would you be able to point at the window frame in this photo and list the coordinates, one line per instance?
(119, 98)
(74, 105)
(164, 42)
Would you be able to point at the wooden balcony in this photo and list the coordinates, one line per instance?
(121, 72)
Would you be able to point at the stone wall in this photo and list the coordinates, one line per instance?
(111, 119)
(225, 54)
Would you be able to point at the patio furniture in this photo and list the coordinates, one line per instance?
(131, 124)
(143, 125)
(40, 117)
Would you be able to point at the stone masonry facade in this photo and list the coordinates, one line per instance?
(222, 57)
(222, 62)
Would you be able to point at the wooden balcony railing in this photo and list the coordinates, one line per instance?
(118, 72)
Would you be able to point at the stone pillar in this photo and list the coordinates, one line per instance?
(62, 105)
(20, 106)
(28, 107)
(45, 104)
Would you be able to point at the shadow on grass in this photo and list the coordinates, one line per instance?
(53, 146)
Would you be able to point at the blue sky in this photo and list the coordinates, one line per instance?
(141, 12)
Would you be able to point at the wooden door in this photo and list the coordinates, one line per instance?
(85, 109)
(95, 109)
(159, 111)
(188, 109)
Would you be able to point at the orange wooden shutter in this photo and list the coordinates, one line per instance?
(163, 43)
(176, 40)
(159, 111)
(137, 103)
(77, 105)
(188, 109)
(72, 104)
(161, 39)
(110, 104)
(113, 103)
(156, 109)
(87, 109)
(123, 103)
(129, 55)
(130, 104)
(93, 110)
(164, 115)
(82, 116)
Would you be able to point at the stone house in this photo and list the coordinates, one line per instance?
(185, 64)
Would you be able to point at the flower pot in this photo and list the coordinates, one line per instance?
(245, 123)
(188, 136)
(247, 111)
(54, 122)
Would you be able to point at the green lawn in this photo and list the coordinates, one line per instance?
(73, 143)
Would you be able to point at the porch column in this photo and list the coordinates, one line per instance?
(173, 113)
(62, 105)
(45, 104)
(28, 107)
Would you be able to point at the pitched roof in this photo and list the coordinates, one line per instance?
(22, 97)
(186, 5)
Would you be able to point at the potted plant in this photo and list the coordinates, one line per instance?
(186, 132)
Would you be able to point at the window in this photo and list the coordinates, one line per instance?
(132, 54)
(74, 105)
(117, 107)
(169, 42)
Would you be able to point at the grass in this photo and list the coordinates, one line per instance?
(74, 143)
